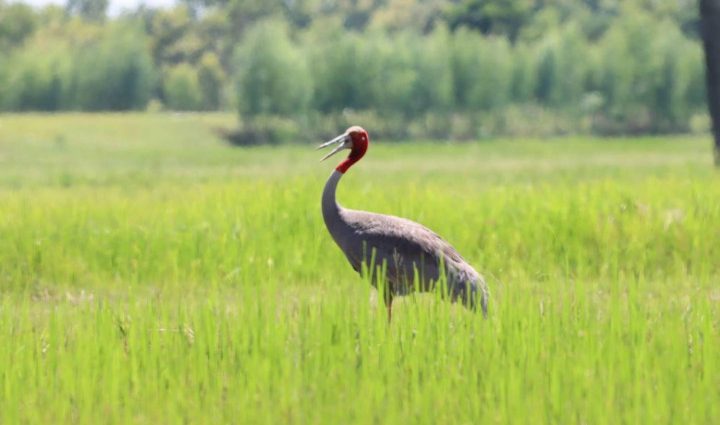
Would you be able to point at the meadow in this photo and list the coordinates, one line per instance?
(149, 273)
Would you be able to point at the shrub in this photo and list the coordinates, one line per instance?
(493, 78)
(652, 76)
(114, 72)
(563, 70)
(433, 86)
(263, 130)
(17, 23)
(395, 77)
(482, 71)
(36, 78)
(3, 81)
(273, 76)
(677, 61)
(211, 79)
(465, 63)
(523, 74)
(182, 89)
(627, 58)
(345, 68)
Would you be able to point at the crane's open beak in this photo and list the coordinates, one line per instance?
(342, 141)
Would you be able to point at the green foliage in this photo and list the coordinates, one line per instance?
(627, 73)
(344, 66)
(465, 64)
(114, 72)
(273, 76)
(37, 78)
(650, 75)
(394, 75)
(182, 88)
(500, 17)
(211, 79)
(491, 85)
(678, 63)
(151, 274)
(523, 76)
(17, 23)
(482, 69)
(434, 87)
(562, 64)
(3, 79)
(91, 10)
(174, 41)
(110, 69)
(264, 130)
(595, 66)
(408, 15)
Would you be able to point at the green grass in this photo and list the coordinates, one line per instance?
(151, 274)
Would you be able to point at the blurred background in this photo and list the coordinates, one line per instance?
(436, 69)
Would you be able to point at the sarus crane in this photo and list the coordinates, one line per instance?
(410, 255)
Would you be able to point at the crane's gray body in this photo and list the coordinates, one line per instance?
(409, 251)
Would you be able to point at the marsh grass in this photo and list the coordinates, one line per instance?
(154, 275)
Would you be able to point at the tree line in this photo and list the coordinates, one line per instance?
(463, 69)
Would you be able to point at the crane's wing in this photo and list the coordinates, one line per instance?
(408, 249)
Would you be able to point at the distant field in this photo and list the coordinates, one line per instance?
(149, 273)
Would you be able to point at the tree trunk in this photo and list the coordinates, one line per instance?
(710, 27)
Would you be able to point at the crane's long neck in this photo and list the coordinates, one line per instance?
(332, 212)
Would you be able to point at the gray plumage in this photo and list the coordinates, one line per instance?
(407, 249)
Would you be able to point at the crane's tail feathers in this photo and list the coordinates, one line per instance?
(484, 297)
(474, 295)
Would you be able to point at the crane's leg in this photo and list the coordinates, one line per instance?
(388, 296)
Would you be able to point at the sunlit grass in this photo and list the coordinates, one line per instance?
(172, 279)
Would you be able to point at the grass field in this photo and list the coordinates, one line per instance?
(151, 274)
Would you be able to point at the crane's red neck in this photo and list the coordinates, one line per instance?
(360, 141)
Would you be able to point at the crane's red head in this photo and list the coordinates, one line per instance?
(356, 139)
